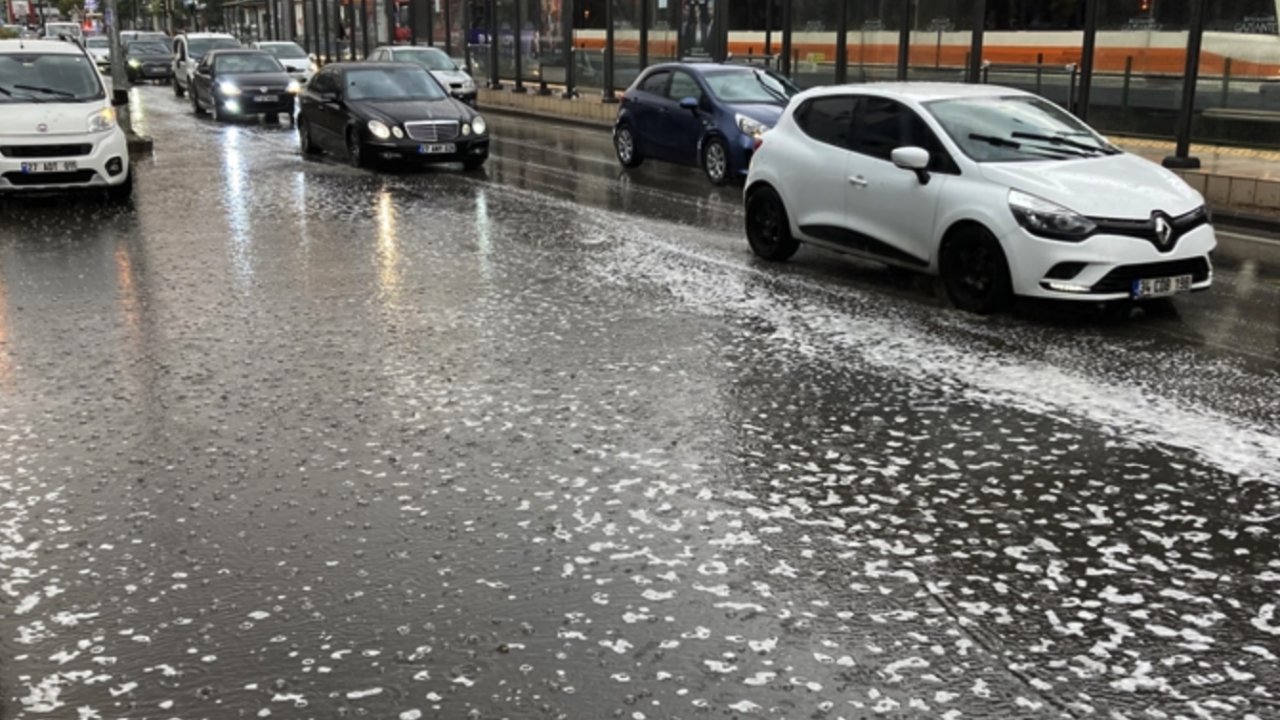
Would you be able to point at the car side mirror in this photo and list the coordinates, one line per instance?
(689, 103)
(913, 158)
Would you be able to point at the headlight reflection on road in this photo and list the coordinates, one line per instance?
(483, 241)
(388, 249)
(236, 200)
(5, 368)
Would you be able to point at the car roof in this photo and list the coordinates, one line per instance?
(373, 66)
(207, 36)
(275, 42)
(44, 47)
(700, 68)
(223, 52)
(918, 91)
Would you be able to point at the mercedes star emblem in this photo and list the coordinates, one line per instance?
(42, 128)
(1164, 231)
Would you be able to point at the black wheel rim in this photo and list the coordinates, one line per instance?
(975, 271)
(766, 222)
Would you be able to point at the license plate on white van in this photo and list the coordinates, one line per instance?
(52, 166)
(1161, 287)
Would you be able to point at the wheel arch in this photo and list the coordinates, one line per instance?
(958, 228)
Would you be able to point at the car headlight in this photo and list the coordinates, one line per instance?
(468, 84)
(478, 125)
(313, 68)
(134, 63)
(1047, 219)
(228, 89)
(466, 129)
(103, 120)
(379, 129)
(750, 126)
(397, 132)
(294, 87)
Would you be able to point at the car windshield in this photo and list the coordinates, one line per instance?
(286, 51)
(429, 59)
(392, 84)
(1017, 128)
(146, 48)
(246, 63)
(99, 43)
(197, 47)
(54, 30)
(749, 86)
(48, 78)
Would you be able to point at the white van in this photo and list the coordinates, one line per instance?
(58, 130)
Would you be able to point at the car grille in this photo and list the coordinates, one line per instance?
(77, 177)
(155, 67)
(1146, 229)
(432, 131)
(46, 151)
(1121, 279)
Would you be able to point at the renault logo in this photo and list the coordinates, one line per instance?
(1164, 231)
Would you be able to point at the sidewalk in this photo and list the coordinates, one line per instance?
(1238, 182)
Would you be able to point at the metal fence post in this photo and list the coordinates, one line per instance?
(1128, 78)
(904, 38)
(1226, 81)
(976, 42)
(519, 49)
(1071, 87)
(842, 44)
(570, 55)
(608, 95)
(1039, 73)
(1181, 158)
(494, 82)
(786, 37)
(1086, 56)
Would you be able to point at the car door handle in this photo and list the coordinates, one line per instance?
(857, 181)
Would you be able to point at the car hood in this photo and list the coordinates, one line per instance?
(760, 112)
(403, 111)
(296, 64)
(271, 79)
(1120, 186)
(152, 57)
(58, 118)
(451, 76)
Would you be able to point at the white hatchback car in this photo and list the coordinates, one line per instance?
(58, 129)
(999, 191)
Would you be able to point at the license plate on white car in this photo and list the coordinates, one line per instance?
(53, 166)
(1161, 287)
(437, 149)
(265, 98)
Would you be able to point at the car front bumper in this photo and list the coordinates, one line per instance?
(1104, 267)
(246, 106)
(24, 160)
(412, 151)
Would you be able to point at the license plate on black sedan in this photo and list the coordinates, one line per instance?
(265, 98)
(1160, 287)
(29, 168)
(438, 149)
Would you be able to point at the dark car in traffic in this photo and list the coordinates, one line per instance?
(394, 112)
(242, 83)
(707, 115)
(148, 60)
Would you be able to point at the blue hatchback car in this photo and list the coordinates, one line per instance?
(701, 114)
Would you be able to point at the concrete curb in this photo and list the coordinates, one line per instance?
(549, 117)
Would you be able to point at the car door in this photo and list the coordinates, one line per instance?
(887, 205)
(683, 129)
(813, 178)
(644, 105)
(323, 103)
(202, 82)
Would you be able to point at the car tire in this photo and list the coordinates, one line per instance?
(305, 141)
(715, 161)
(177, 88)
(122, 193)
(355, 149)
(214, 112)
(768, 228)
(975, 272)
(624, 144)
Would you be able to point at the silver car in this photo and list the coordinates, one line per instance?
(435, 61)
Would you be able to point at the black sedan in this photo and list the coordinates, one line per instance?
(148, 60)
(389, 112)
(242, 83)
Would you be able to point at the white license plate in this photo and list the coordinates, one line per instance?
(49, 167)
(437, 149)
(265, 98)
(1161, 287)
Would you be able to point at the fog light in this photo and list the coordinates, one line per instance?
(115, 166)
(232, 106)
(1067, 287)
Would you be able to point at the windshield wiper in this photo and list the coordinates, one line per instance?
(997, 141)
(5, 92)
(45, 90)
(760, 79)
(1060, 140)
(1049, 152)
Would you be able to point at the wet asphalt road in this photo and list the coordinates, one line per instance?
(296, 440)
